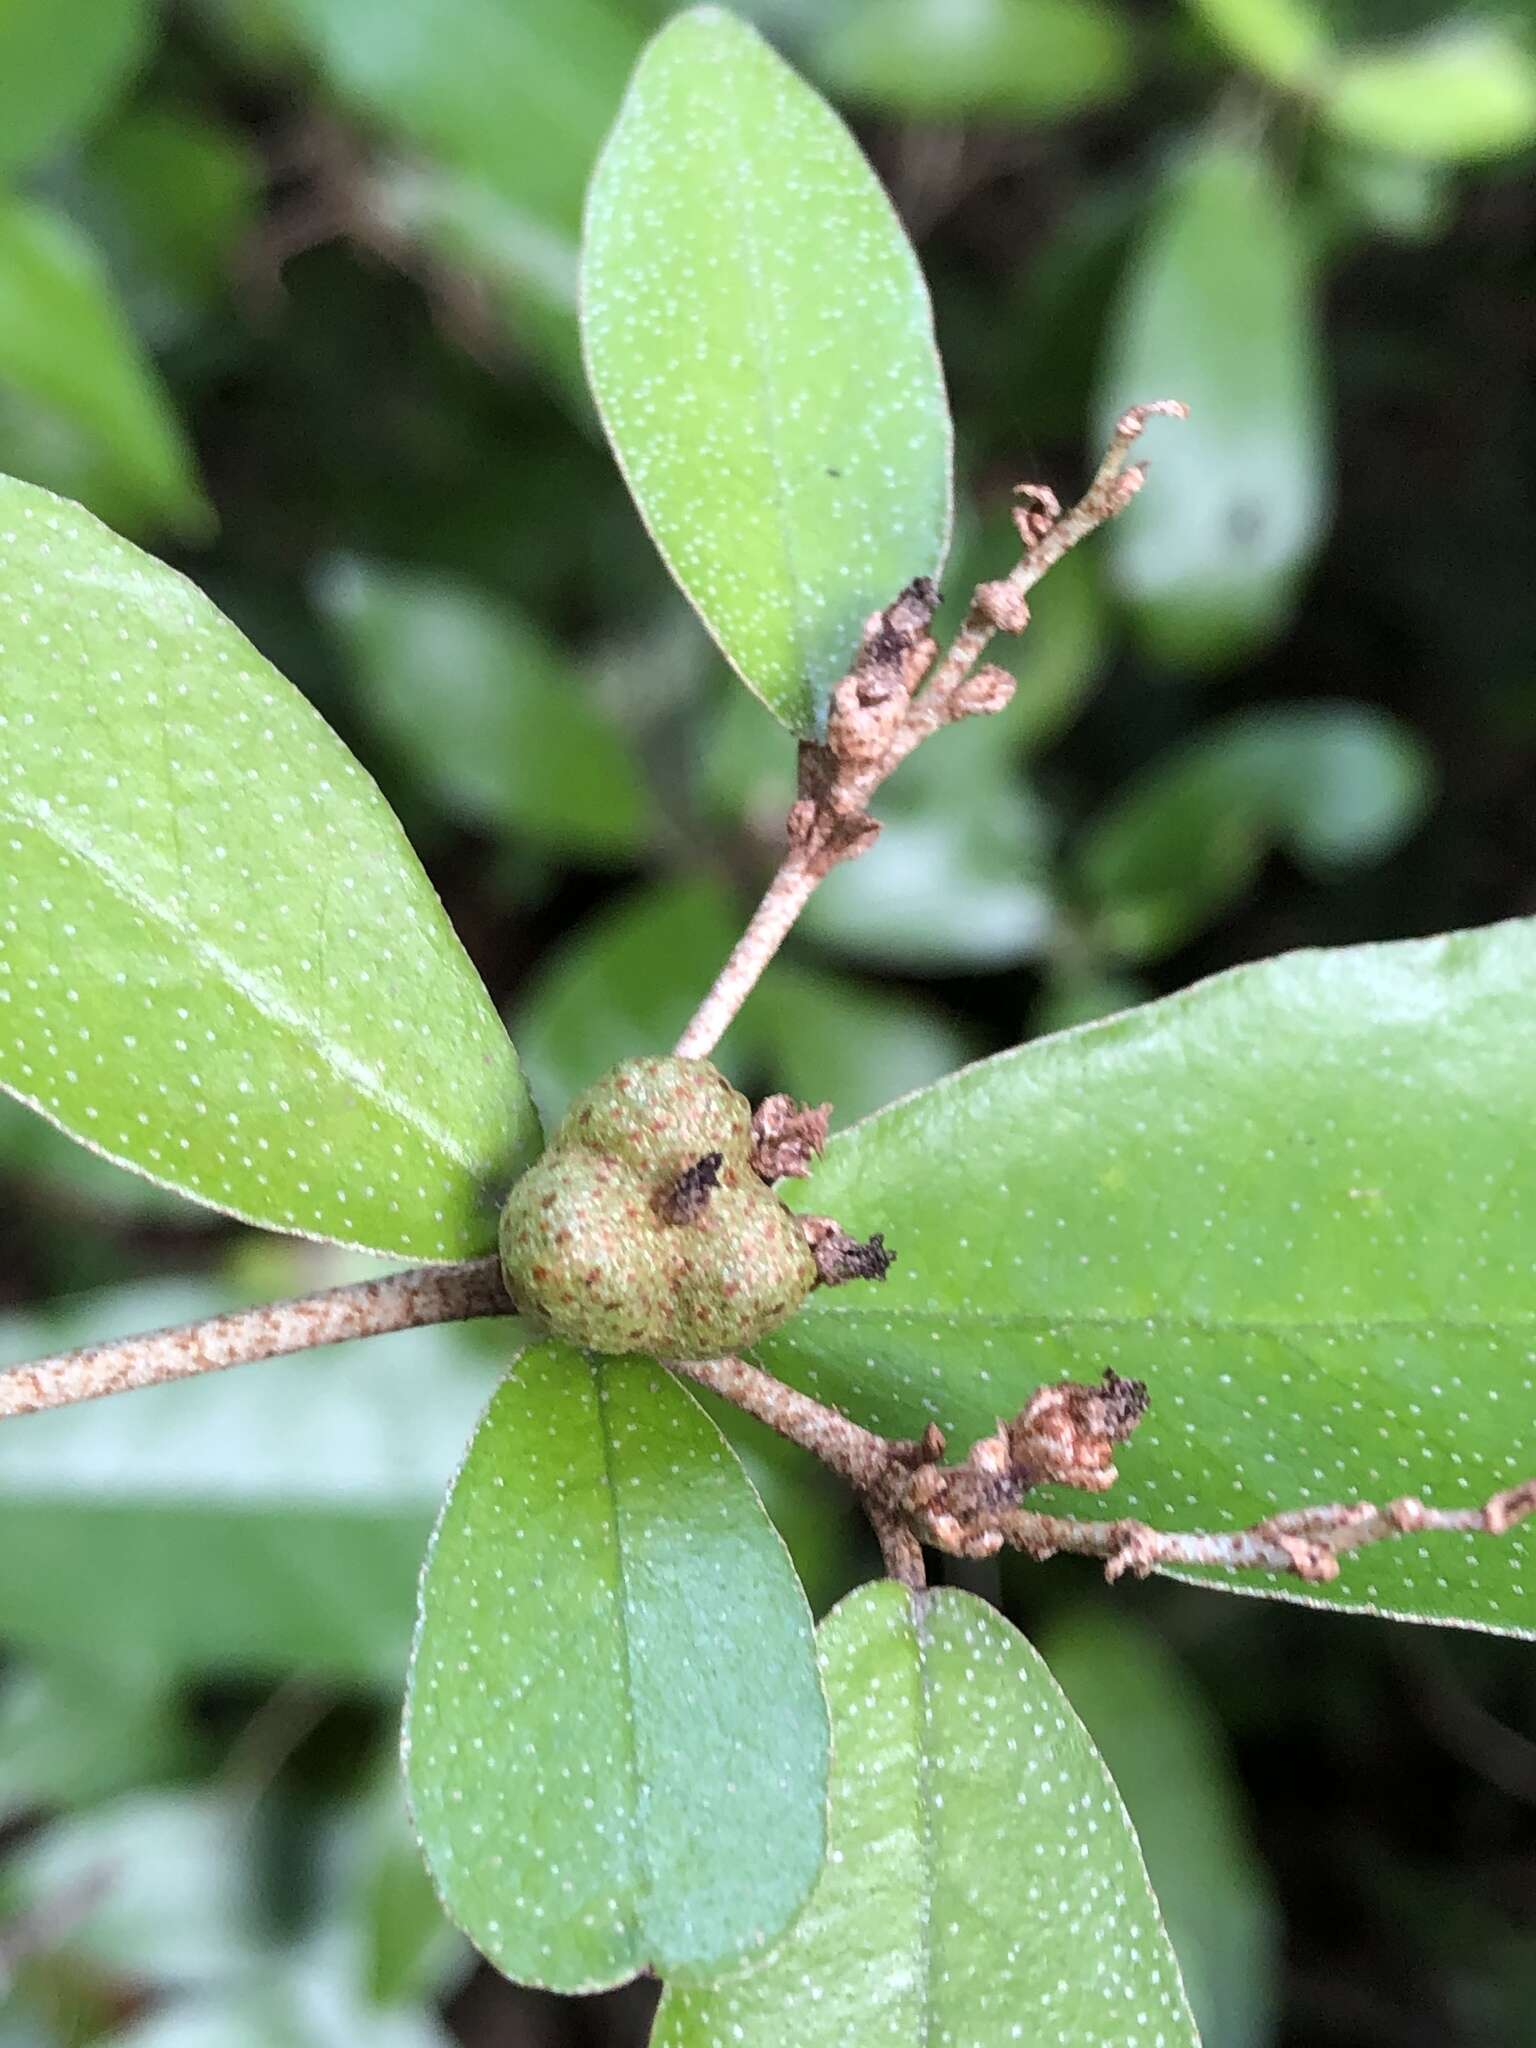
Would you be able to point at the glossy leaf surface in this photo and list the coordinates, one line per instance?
(1216, 309)
(760, 344)
(616, 1742)
(220, 963)
(1292, 1199)
(983, 1884)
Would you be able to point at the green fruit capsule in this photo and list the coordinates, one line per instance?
(595, 1244)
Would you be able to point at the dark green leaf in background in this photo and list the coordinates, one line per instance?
(62, 63)
(515, 98)
(1216, 309)
(616, 1743)
(77, 1727)
(1292, 1199)
(1460, 89)
(1338, 784)
(221, 963)
(66, 347)
(982, 1885)
(173, 197)
(761, 347)
(947, 59)
(1461, 92)
(480, 705)
(628, 981)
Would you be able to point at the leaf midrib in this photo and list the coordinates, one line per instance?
(269, 1004)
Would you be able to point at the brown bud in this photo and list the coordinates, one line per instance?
(786, 1137)
(1067, 1433)
(1003, 606)
(839, 1257)
(988, 690)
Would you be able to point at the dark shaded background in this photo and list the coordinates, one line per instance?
(285, 292)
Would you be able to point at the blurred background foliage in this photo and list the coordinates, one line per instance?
(287, 292)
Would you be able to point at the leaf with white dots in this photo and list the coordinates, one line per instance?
(983, 1885)
(1294, 1199)
(220, 963)
(616, 1739)
(760, 344)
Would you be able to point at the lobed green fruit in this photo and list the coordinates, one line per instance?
(586, 1245)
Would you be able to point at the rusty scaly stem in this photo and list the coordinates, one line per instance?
(369, 1308)
(884, 707)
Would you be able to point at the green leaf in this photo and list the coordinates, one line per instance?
(220, 963)
(1340, 784)
(1463, 92)
(1217, 310)
(982, 1884)
(173, 198)
(478, 705)
(616, 1744)
(1288, 40)
(65, 346)
(76, 1728)
(62, 64)
(1460, 90)
(516, 98)
(1291, 1199)
(761, 348)
(1170, 1765)
(827, 1037)
(197, 1527)
(938, 60)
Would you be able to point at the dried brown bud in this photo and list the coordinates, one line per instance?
(1002, 606)
(841, 1258)
(1038, 514)
(988, 690)
(870, 703)
(1067, 1433)
(786, 1137)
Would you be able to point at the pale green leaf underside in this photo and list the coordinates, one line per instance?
(760, 343)
(616, 1741)
(983, 1886)
(1294, 1199)
(220, 963)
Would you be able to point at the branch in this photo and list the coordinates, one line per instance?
(370, 1308)
(1066, 1435)
(889, 703)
